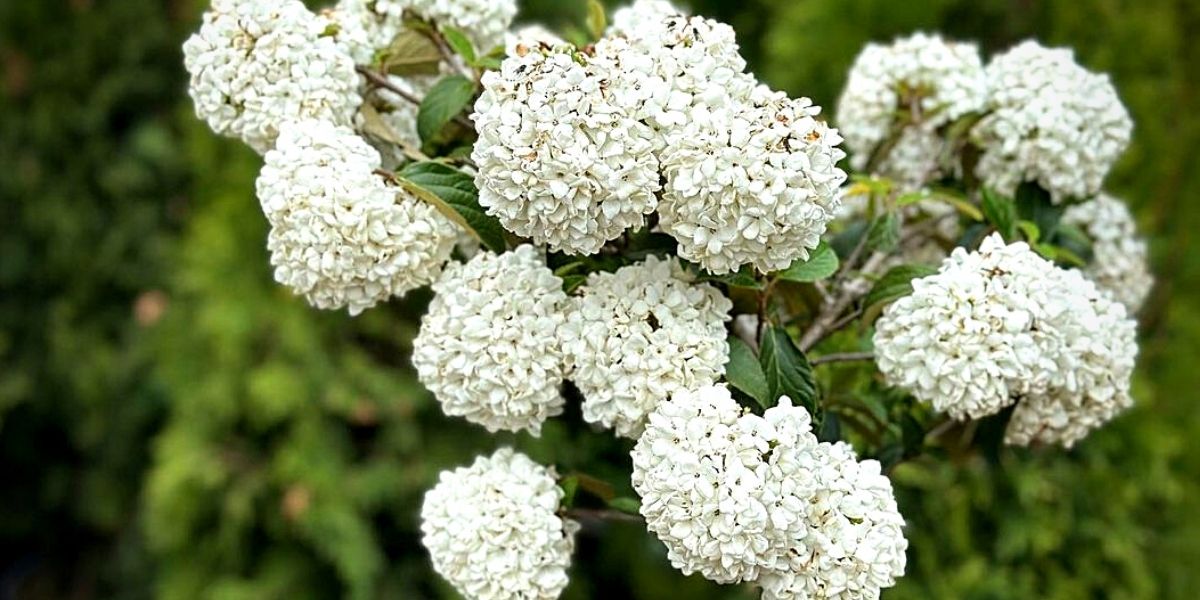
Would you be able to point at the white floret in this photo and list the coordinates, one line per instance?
(488, 348)
(919, 84)
(1120, 261)
(755, 186)
(340, 235)
(562, 159)
(630, 19)
(493, 530)
(641, 334)
(255, 65)
(1049, 121)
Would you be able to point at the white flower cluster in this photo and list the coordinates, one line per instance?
(493, 531)
(1002, 325)
(920, 83)
(738, 497)
(340, 235)
(488, 347)
(637, 336)
(1051, 121)
(1120, 262)
(370, 25)
(256, 65)
(642, 13)
(562, 159)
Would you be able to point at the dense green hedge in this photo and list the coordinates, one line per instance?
(246, 446)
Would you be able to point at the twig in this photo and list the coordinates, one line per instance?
(602, 514)
(440, 41)
(823, 325)
(380, 81)
(842, 357)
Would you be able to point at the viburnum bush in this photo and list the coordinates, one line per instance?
(627, 220)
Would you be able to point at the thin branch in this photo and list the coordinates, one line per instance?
(379, 80)
(439, 40)
(851, 291)
(842, 357)
(602, 514)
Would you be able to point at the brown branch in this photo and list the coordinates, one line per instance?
(602, 514)
(851, 291)
(379, 80)
(842, 357)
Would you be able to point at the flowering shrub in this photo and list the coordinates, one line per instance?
(628, 221)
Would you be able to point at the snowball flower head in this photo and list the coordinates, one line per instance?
(756, 186)
(255, 65)
(739, 497)
(1120, 262)
(562, 160)
(493, 531)
(630, 19)
(488, 346)
(1049, 121)
(340, 236)
(855, 544)
(371, 25)
(920, 82)
(637, 336)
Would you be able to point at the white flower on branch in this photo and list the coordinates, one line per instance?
(256, 65)
(562, 159)
(493, 530)
(637, 336)
(739, 497)
(754, 186)
(341, 236)
(1003, 325)
(488, 347)
(1120, 262)
(1050, 121)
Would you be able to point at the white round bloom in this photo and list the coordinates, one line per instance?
(630, 19)
(256, 65)
(340, 236)
(967, 339)
(921, 83)
(488, 347)
(561, 158)
(1094, 356)
(493, 530)
(855, 543)
(637, 336)
(725, 490)
(372, 24)
(755, 186)
(682, 69)
(1049, 121)
(1120, 262)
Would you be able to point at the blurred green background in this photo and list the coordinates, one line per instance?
(175, 425)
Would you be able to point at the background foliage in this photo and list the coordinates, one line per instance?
(174, 425)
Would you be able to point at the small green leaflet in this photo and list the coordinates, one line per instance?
(894, 284)
(884, 233)
(447, 98)
(1001, 213)
(745, 373)
(822, 262)
(1034, 204)
(597, 20)
(458, 41)
(787, 371)
(626, 505)
(453, 193)
(569, 485)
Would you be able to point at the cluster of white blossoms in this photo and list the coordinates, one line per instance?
(1003, 325)
(917, 85)
(641, 14)
(488, 347)
(340, 235)
(1120, 258)
(257, 65)
(562, 159)
(1050, 121)
(367, 26)
(493, 530)
(639, 335)
(739, 497)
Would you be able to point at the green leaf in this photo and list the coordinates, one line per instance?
(1030, 230)
(1073, 239)
(894, 284)
(597, 19)
(822, 262)
(458, 41)
(743, 278)
(1001, 213)
(884, 233)
(572, 282)
(831, 428)
(453, 193)
(1034, 204)
(626, 505)
(447, 98)
(745, 373)
(410, 53)
(569, 485)
(787, 370)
